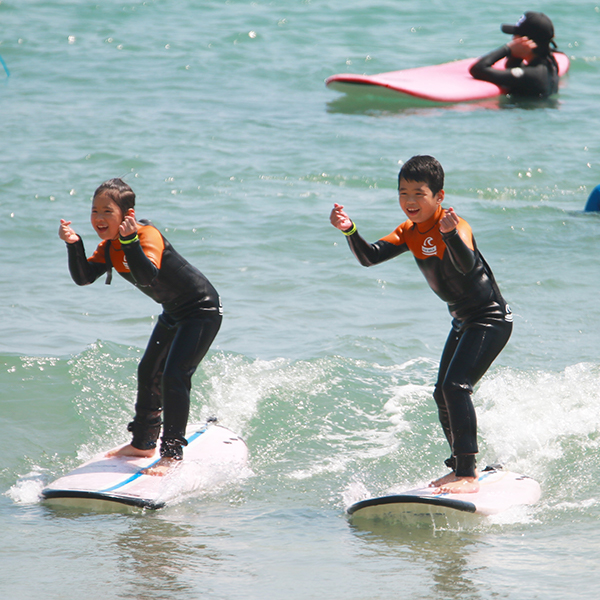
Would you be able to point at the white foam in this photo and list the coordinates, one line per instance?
(27, 489)
(525, 418)
(354, 492)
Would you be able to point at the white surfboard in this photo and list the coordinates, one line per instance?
(499, 490)
(213, 454)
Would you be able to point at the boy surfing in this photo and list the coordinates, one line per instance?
(445, 251)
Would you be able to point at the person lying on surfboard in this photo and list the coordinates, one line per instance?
(185, 330)
(445, 251)
(531, 69)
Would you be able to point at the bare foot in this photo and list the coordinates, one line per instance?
(132, 451)
(443, 480)
(162, 467)
(459, 485)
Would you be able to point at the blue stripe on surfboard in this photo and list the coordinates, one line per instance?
(139, 473)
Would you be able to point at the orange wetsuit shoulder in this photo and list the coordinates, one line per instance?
(148, 261)
(450, 262)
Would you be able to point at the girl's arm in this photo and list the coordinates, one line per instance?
(505, 78)
(142, 269)
(82, 271)
(66, 233)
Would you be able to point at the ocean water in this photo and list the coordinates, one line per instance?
(217, 114)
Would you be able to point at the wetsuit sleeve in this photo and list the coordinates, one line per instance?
(462, 256)
(82, 271)
(143, 257)
(540, 79)
(484, 70)
(373, 254)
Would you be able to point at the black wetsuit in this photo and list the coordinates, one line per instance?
(538, 79)
(189, 323)
(482, 322)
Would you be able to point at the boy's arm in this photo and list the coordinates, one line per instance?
(462, 257)
(366, 253)
(461, 248)
(371, 254)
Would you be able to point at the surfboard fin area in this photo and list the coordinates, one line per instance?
(499, 491)
(213, 454)
(445, 83)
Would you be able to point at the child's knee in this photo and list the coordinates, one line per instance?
(453, 388)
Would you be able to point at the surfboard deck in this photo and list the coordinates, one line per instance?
(499, 490)
(447, 82)
(103, 483)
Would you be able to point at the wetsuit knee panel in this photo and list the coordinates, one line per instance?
(451, 388)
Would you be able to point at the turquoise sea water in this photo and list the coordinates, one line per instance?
(216, 113)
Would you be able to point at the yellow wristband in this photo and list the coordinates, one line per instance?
(133, 239)
(351, 231)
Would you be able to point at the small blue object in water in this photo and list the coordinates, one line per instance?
(593, 203)
(5, 67)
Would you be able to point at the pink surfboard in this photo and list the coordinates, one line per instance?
(448, 82)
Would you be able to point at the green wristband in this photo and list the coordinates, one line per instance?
(350, 231)
(133, 239)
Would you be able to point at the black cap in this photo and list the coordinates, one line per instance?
(534, 25)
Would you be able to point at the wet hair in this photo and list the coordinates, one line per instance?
(423, 168)
(118, 191)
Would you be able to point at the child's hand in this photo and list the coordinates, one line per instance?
(339, 218)
(129, 224)
(66, 233)
(449, 221)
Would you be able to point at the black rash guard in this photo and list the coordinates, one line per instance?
(148, 261)
(453, 267)
(482, 324)
(538, 79)
(181, 337)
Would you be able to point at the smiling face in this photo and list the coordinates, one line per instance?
(417, 200)
(106, 217)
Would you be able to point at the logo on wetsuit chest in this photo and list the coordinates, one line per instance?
(429, 248)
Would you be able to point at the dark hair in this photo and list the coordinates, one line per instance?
(118, 191)
(423, 168)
